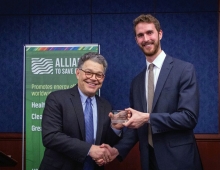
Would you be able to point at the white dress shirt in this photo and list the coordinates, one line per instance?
(83, 98)
(158, 62)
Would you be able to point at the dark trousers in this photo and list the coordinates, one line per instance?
(152, 159)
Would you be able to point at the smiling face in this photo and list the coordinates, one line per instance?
(89, 86)
(148, 39)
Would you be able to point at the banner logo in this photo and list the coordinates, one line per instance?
(41, 66)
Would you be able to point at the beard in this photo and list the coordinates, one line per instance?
(153, 50)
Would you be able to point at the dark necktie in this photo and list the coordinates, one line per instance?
(150, 98)
(88, 115)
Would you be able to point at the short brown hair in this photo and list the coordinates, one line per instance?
(148, 19)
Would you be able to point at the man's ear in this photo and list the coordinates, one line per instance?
(136, 39)
(160, 34)
(77, 73)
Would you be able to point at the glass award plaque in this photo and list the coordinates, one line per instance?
(119, 116)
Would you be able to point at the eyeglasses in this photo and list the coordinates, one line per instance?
(89, 74)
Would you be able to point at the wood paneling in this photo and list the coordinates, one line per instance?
(11, 144)
(209, 148)
(131, 162)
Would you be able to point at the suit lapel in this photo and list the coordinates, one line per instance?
(164, 72)
(80, 115)
(77, 105)
(100, 119)
(142, 90)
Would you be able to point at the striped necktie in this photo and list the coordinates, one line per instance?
(88, 115)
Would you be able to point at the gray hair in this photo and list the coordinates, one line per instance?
(93, 56)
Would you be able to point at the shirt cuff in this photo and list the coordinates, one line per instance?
(117, 132)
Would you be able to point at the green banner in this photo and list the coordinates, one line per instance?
(47, 68)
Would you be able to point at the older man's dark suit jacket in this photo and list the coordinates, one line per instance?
(63, 130)
(173, 118)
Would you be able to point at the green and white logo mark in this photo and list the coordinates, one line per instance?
(41, 66)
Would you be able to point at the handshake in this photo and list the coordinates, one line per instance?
(130, 118)
(103, 154)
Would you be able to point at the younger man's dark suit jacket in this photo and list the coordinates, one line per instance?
(174, 115)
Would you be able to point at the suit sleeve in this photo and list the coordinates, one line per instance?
(129, 138)
(178, 106)
(111, 138)
(127, 142)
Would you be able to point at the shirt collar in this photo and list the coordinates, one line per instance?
(83, 97)
(158, 62)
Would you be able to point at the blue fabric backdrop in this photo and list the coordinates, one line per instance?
(190, 33)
